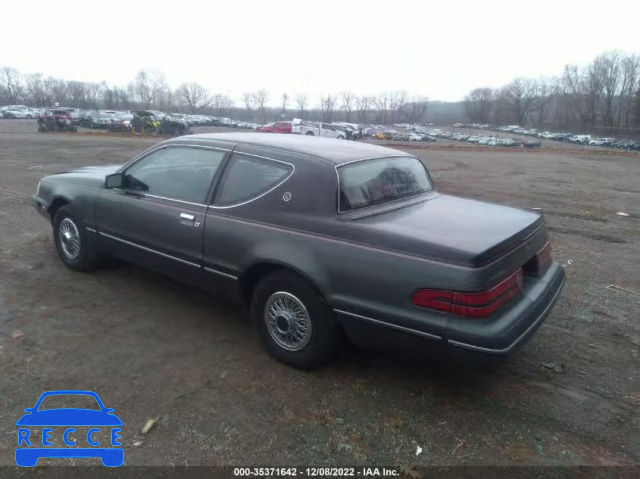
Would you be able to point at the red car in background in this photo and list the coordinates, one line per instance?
(277, 127)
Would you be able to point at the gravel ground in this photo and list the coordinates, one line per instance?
(154, 349)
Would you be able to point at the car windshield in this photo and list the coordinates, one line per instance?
(372, 182)
(76, 401)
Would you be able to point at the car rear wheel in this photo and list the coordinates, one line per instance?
(75, 249)
(309, 133)
(294, 322)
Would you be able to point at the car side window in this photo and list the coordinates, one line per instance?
(180, 173)
(247, 177)
(327, 127)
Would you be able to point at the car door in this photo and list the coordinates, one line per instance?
(157, 218)
(329, 131)
(229, 244)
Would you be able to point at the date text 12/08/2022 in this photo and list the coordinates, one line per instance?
(316, 472)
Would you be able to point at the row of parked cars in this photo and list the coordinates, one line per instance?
(591, 141)
(493, 141)
(564, 137)
(338, 130)
(101, 118)
(344, 130)
(11, 112)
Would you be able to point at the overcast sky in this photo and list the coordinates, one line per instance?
(441, 50)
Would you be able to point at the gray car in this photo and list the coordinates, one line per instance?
(317, 237)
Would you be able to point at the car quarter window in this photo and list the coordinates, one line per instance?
(180, 173)
(247, 177)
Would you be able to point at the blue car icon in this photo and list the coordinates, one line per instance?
(27, 456)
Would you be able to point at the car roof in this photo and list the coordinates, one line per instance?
(329, 149)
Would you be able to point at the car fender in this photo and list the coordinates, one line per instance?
(303, 261)
(81, 199)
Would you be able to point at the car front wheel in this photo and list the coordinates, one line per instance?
(294, 322)
(72, 244)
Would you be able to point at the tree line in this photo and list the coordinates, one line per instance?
(150, 91)
(601, 97)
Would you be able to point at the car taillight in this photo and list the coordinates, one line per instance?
(476, 305)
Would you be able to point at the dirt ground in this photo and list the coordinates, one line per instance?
(152, 348)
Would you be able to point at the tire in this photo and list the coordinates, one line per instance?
(29, 117)
(341, 137)
(78, 255)
(296, 295)
(309, 133)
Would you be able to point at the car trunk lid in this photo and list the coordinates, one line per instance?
(453, 230)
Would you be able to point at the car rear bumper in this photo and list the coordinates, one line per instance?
(496, 336)
(512, 328)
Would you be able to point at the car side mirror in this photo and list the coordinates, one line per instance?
(116, 180)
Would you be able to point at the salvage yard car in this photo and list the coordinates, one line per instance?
(317, 237)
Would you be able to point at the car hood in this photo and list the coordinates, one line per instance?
(91, 176)
(450, 229)
(69, 417)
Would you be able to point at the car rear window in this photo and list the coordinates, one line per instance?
(373, 182)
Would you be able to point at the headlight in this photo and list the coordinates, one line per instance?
(38, 189)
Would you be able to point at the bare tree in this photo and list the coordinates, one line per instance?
(260, 99)
(36, 90)
(364, 105)
(160, 91)
(118, 98)
(10, 85)
(636, 109)
(248, 100)
(348, 101)
(630, 73)
(397, 99)
(605, 71)
(194, 96)
(545, 89)
(414, 110)
(519, 96)
(327, 105)
(285, 100)
(382, 102)
(302, 103)
(141, 89)
(221, 104)
(479, 104)
(58, 90)
(77, 92)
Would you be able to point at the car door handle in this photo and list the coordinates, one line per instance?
(185, 216)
